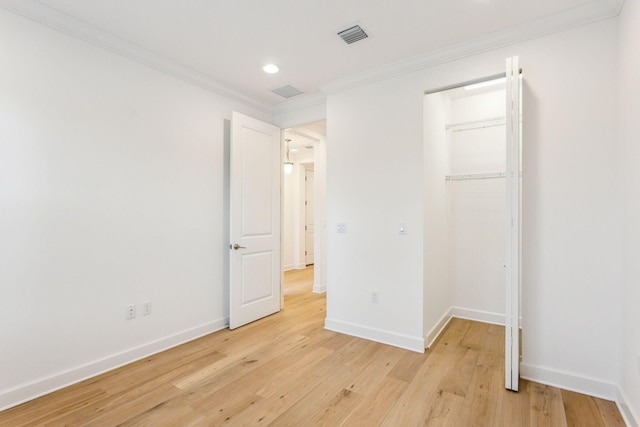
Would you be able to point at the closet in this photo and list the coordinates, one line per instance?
(472, 208)
(465, 233)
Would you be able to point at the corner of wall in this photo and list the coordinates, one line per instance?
(631, 418)
(437, 329)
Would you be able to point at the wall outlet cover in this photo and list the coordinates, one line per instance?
(130, 312)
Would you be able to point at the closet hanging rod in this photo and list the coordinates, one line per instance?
(476, 124)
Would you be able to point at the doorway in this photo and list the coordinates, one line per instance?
(472, 209)
(303, 205)
(263, 221)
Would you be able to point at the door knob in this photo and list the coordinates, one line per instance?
(236, 246)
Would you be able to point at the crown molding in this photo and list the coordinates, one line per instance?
(589, 13)
(316, 99)
(60, 21)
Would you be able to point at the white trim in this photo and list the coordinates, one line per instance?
(67, 24)
(29, 391)
(591, 12)
(319, 288)
(290, 267)
(631, 418)
(437, 329)
(478, 315)
(316, 99)
(572, 381)
(373, 334)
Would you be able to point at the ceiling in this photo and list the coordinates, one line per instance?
(222, 44)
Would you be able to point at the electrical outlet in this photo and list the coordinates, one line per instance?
(146, 308)
(130, 312)
(341, 227)
(374, 297)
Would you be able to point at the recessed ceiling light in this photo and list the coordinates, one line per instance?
(271, 68)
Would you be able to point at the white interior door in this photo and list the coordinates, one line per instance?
(309, 217)
(255, 181)
(513, 256)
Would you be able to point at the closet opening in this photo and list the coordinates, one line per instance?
(469, 206)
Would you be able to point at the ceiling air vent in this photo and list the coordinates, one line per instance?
(353, 34)
(286, 91)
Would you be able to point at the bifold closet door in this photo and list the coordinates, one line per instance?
(512, 253)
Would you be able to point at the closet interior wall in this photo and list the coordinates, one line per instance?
(464, 206)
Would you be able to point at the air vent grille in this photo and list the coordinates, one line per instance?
(287, 91)
(353, 34)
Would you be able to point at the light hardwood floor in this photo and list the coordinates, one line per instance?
(286, 370)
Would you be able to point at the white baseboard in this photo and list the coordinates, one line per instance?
(595, 387)
(16, 395)
(437, 329)
(478, 315)
(378, 335)
(319, 288)
(630, 416)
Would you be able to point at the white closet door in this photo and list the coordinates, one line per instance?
(513, 276)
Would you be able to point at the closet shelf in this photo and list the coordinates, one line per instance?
(476, 124)
(464, 177)
(475, 176)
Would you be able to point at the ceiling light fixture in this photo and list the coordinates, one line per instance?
(271, 68)
(485, 84)
(288, 164)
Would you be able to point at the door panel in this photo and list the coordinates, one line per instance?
(513, 256)
(255, 286)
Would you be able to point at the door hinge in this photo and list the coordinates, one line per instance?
(305, 228)
(305, 252)
(305, 203)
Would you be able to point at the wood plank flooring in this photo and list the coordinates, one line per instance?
(286, 370)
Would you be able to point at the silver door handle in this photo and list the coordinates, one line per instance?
(236, 246)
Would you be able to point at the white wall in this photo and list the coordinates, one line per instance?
(571, 232)
(111, 193)
(628, 113)
(477, 208)
(438, 289)
(320, 217)
(375, 182)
